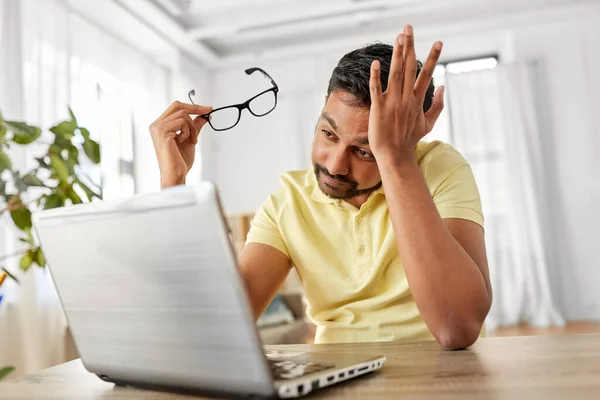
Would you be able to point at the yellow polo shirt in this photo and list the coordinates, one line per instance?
(347, 258)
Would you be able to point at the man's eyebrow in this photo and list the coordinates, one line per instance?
(330, 120)
(363, 140)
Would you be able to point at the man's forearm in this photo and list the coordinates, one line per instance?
(169, 183)
(447, 285)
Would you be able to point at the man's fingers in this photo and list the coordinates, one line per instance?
(410, 63)
(436, 108)
(190, 108)
(199, 122)
(397, 65)
(175, 126)
(184, 115)
(375, 82)
(185, 132)
(424, 78)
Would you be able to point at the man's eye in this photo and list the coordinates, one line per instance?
(363, 153)
(327, 133)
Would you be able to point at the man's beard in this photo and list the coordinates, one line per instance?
(350, 189)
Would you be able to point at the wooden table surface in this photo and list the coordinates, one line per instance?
(544, 367)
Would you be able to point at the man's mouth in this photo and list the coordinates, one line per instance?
(332, 182)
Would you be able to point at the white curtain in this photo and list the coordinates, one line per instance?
(495, 126)
(52, 58)
(32, 324)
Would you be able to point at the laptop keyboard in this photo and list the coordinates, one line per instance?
(290, 369)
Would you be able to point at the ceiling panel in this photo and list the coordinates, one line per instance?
(230, 28)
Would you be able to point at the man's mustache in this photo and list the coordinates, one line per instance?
(339, 178)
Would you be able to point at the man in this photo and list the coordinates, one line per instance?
(385, 231)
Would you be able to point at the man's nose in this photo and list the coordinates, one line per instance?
(338, 163)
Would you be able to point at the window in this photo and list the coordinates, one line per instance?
(443, 127)
(116, 92)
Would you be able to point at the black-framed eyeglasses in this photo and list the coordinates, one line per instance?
(224, 118)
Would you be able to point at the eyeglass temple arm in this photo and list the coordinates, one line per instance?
(252, 70)
(193, 93)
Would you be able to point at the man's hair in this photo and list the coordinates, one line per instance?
(354, 69)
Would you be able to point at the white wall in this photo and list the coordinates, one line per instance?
(246, 162)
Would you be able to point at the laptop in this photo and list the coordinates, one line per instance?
(153, 297)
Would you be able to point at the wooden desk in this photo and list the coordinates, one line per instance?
(544, 367)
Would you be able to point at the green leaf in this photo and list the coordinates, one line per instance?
(58, 165)
(53, 201)
(29, 238)
(32, 180)
(92, 150)
(27, 260)
(22, 218)
(20, 185)
(4, 161)
(42, 162)
(73, 119)
(2, 128)
(61, 142)
(5, 371)
(85, 133)
(18, 181)
(41, 259)
(60, 190)
(22, 133)
(65, 129)
(73, 158)
(54, 149)
(88, 192)
(11, 276)
(73, 196)
(2, 131)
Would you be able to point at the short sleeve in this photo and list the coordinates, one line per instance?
(452, 184)
(265, 227)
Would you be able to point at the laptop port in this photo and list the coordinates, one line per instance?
(330, 378)
(362, 369)
(341, 375)
(351, 372)
(315, 384)
(301, 388)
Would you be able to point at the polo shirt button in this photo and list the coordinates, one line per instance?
(361, 220)
(361, 249)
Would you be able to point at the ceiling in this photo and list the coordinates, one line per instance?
(225, 29)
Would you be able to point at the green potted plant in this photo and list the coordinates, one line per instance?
(56, 180)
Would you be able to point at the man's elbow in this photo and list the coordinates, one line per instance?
(456, 338)
(463, 329)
